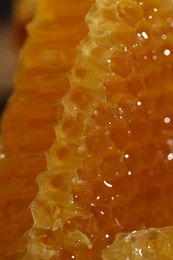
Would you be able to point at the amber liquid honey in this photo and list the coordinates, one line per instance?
(88, 135)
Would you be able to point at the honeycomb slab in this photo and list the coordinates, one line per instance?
(87, 138)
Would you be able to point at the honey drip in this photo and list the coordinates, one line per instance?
(109, 169)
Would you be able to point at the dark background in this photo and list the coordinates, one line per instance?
(7, 55)
(5, 10)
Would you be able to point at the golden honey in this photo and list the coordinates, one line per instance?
(88, 134)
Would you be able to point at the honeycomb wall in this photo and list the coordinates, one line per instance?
(35, 107)
(110, 168)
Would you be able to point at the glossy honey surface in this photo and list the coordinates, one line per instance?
(102, 114)
(144, 245)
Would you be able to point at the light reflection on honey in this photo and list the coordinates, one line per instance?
(110, 167)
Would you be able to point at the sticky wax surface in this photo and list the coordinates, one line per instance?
(105, 109)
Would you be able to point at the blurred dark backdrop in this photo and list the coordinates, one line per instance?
(7, 53)
(5, 9)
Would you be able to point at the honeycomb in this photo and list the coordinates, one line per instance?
(95, 128)
(34, 108)
(145, 244)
